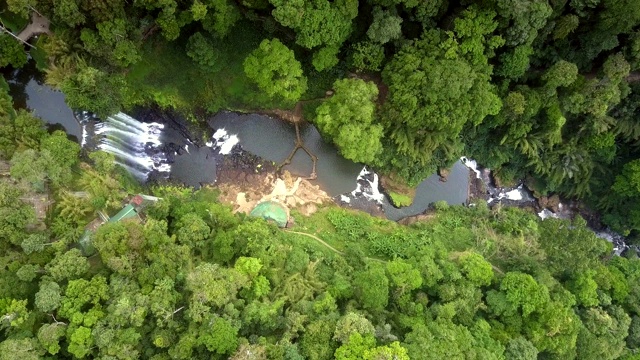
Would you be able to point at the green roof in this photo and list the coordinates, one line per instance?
(271, 210)
(127, 212)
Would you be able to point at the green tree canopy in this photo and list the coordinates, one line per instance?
(348, 119)
(276, 71)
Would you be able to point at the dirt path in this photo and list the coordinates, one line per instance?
(633, 77)
(329, 246)
(38, 25)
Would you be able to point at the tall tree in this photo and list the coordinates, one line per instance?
(276, 71)
(348, 119)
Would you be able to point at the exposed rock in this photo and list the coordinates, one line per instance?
(443, 173)
(552, 203)
(417, 218)
(392, 184)
(293, 192)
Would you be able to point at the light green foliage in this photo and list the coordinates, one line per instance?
(221, 16)
(192, 231)
(515, 64)
(68, 12)
(603, 333)
(48, 297)
(21, 7)
(27, 272)
(364, 347)
(13, 314)
(53, 162)
(73, 208)
(24, 349)
(437, 340)
(352, 323)
(93, 90)
(82, 293)
(199, 10)
(563, 254)
(355, 347)
(392, 351)
(67, 266)
(562, 73)
(30, 167)
(105, 192)
(385, 26)
(520, 349)
(248, 266)
(400, 200)
(348, 118)
(325, 58)
(80, 342)
(49, 336)
(276, 71)
(34, 243)
(372, 288)
(584, 287)
(211, 285)
(11, 52)
(367, 56)
(403, 276)
(219, 336)
(476, 269)
(317, 343)
(15, 215)
(316, 22)
(63, 151)
(524, 293)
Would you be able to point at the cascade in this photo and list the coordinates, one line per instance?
(134, 144)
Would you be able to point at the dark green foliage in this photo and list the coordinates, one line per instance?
(11, 52)
(93, 90)
(535, 89)
(367, 56)
(202, 51)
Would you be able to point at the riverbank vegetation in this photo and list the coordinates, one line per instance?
(541, 90)
(186, 278)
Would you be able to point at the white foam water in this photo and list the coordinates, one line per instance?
(128, 139)
(224, 141)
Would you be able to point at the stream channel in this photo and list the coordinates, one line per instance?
(157, 145)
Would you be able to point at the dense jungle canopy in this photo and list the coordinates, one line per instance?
(547, 91)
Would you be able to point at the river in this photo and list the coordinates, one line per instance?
(159, 147)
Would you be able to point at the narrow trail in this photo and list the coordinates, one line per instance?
(329, 246)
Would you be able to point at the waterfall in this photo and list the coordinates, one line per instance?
(134, 144)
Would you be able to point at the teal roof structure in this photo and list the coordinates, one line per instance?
(127, 212)
(273, 211)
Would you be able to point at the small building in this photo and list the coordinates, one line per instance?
(272, 211)
(129, 211)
